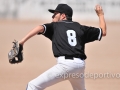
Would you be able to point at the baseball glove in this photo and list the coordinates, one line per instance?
(15, 55)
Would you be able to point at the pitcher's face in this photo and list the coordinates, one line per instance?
(56, 17)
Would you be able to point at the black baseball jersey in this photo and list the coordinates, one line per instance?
(69, 38)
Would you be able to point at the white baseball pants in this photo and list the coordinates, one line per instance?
(65, 69)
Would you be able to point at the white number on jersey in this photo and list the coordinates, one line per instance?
(71, 37)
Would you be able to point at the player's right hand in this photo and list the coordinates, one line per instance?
(99, 10)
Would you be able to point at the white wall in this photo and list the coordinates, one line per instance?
(37, 9)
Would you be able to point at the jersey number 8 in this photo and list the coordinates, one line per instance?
(71, 34)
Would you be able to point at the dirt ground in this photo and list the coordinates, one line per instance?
(102, 65)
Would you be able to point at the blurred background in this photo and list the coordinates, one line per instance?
(18, 17)
(38, 9)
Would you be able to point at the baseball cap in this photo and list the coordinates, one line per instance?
(63, 8)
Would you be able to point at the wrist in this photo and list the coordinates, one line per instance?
(101, 16)
(21, 42)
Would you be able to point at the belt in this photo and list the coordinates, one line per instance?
(71, 57)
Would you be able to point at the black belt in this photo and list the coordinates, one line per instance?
(69, 57)
(72, 57)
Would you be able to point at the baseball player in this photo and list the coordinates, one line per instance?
(68, 44)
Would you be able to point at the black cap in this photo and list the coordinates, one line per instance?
(63, 8)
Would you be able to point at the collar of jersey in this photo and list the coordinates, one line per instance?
(67, 21)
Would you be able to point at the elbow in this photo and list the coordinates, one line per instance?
(104, 33)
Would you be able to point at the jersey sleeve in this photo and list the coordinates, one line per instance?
(92, 33)
(48, 30)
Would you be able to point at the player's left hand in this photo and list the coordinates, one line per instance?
(99, 10)
(15, 55)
